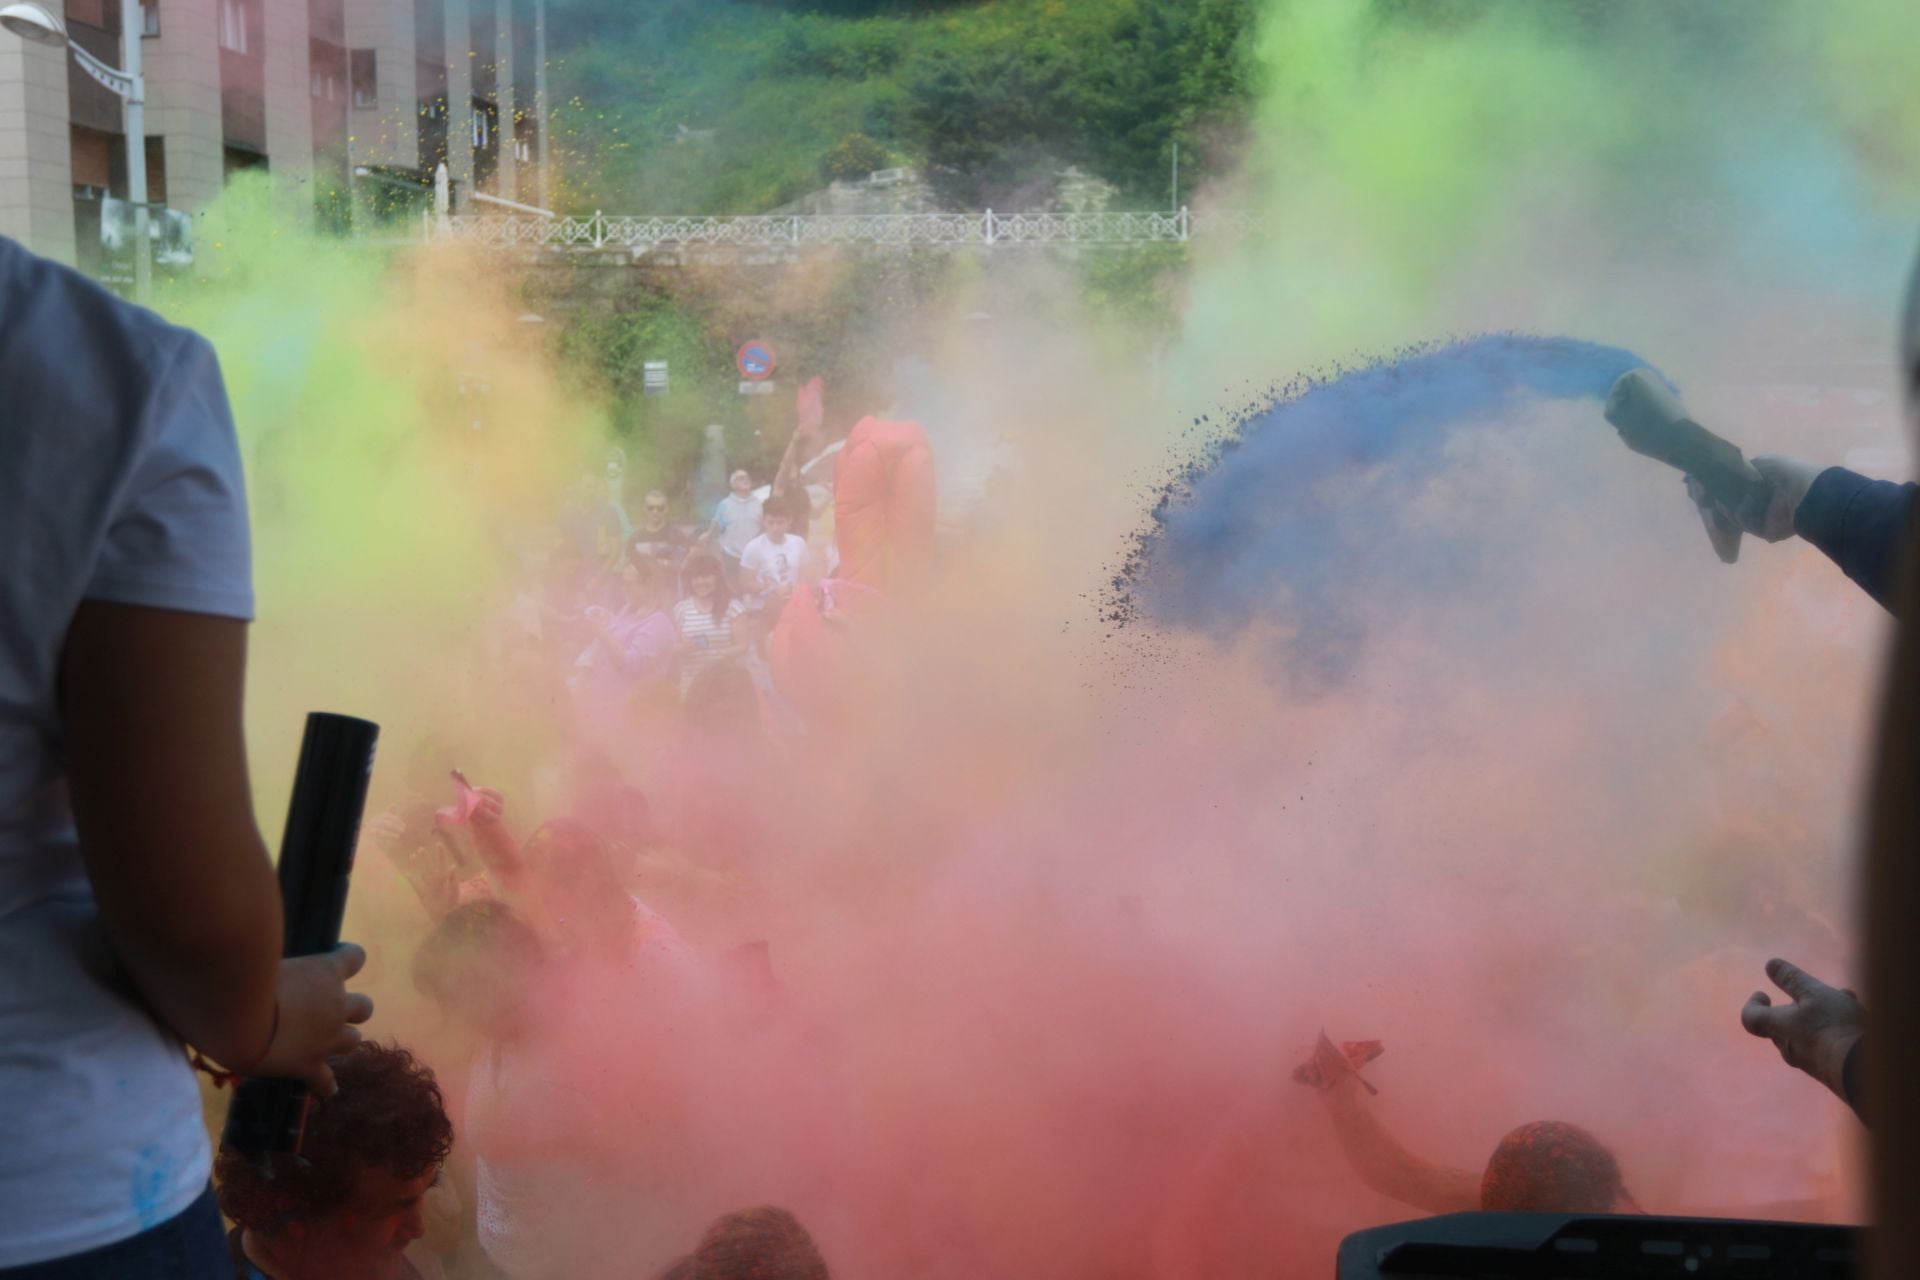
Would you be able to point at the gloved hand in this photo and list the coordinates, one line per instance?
(1816, 1031)
(1788, 480)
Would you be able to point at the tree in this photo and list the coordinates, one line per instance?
(853, 157)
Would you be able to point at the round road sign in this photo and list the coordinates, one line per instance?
(756, 361)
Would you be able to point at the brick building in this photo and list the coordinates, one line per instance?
(347, 101)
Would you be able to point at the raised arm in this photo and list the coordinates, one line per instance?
(810, 415)
(1377, 1156)
(495, 843)
(1380, 1161)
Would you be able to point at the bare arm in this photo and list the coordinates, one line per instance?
(151, 701)
(789, 468)
(156, 760)
(809, 417)
(499, 851)
(1388, 1167)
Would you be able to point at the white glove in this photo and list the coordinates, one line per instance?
(1788, 480)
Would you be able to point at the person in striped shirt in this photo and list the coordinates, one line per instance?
(708, 620)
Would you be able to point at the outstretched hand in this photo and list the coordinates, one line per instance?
(1816, 1031)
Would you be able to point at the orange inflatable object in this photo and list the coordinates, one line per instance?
(883, 503)
(815, 652)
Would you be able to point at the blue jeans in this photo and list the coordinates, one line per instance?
(190, 1246)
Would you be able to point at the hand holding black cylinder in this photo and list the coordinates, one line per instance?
(316, 862)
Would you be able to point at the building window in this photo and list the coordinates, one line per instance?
(233, 25)
(150, 18)
(91, 12)
(92, 159)
(327, 67)
(361, 71)
(481, 127)
(156, 170)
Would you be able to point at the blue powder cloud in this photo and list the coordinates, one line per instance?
(1270, 528)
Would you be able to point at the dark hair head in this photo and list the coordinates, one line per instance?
(778, 506)
(388, 1114)
(706, 564)
(1552, 1167)
(766, 1243)
(474, 941)
(798, 504)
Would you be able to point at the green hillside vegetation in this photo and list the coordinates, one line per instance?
(733, 107)
(725, 106)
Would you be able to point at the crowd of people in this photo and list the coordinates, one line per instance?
(635, 602)
(596, 1046)
(600, 1052)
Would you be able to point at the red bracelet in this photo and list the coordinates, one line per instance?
(221, 1079)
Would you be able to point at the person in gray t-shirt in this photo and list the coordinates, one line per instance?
(138, 909)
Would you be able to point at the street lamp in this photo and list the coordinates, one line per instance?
(30, 21)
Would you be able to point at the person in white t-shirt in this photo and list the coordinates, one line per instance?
(771, 563)
(138, 909)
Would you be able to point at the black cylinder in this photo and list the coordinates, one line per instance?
(316, 860)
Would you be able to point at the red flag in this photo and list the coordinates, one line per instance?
(809, 407)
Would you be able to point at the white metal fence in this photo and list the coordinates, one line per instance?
(778, 232)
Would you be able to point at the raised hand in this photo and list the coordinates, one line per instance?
(489, 807)
(1816, 1031)
(1332, 1067)
(423, 859)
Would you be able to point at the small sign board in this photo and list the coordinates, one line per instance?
(653, 378)
(756, 361)
(756, 388)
